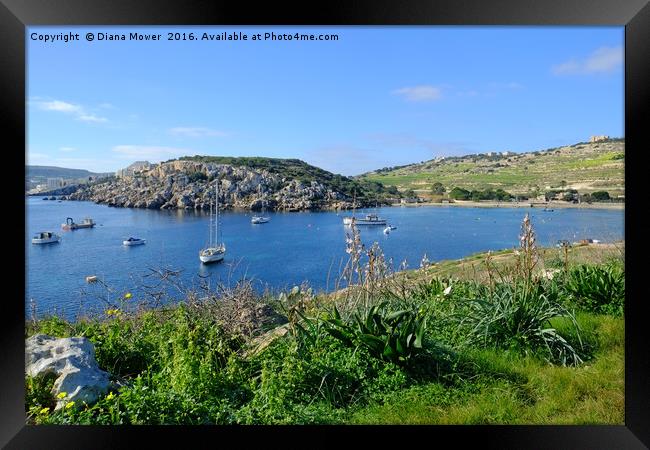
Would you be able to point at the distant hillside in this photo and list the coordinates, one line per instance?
(587, 167)
(56, 172)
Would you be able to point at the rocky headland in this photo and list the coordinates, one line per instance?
(183, 184)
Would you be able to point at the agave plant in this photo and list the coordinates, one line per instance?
(600, 289)
(391, 335)
(520, 319)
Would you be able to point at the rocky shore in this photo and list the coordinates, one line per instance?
(190, 184)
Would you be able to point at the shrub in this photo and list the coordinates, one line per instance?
(459, 194)
(391, 335)
(600, 196)
(518, 318)
(599, 289)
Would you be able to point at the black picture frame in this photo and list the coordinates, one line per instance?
(15, 15)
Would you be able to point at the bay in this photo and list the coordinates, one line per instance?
(293, 248)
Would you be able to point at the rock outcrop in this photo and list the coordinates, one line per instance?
(189, 185)
(73, 360)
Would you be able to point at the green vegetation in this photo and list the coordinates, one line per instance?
(367, 192)
(476, 195)
(460, 194)
(599, 289)
(600, 195)
(492, 338)
(586, 166)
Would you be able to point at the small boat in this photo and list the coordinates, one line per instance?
(91, 278)
(134, 241)
(260, 219)
(46, 237)
(215, 251)
(370, 219)
(71, 225)
(386, 230)
(392, 227)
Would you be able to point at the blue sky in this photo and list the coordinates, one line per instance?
(376, 97)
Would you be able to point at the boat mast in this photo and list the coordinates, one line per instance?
(210, 228)
(216, 217)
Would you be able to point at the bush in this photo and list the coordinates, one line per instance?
(599, 289)
(600, 196)
(517, 317)
(459, 194)
(391, 335)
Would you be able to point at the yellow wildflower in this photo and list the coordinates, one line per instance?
(44, 410)
(110, 396)
(69, 405)
(127, 295)
(62, 395)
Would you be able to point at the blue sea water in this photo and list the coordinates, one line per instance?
(291, 249)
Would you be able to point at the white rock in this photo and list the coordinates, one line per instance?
(73, 360)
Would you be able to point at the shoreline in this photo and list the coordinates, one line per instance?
(458, 203)
(537, 205)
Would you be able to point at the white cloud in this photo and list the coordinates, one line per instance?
(150, 153)
(58, 105)
(77, 111)
(603, 60)
(422, 93)
(196, 132)
(91, 118)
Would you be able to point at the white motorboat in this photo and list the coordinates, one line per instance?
(262, 218)
(386, 230)
(215, 251)
(133, 241)
(371, 219)
(46, 237)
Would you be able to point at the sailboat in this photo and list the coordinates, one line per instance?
(215, 250)
(370, 219)
(262, 218)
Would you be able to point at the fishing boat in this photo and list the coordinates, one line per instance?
(371, 219)
(215, 251)
(46, 237)
(70, 224)
(262, 218)
(133, 241)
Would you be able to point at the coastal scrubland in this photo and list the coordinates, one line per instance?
(522, 336)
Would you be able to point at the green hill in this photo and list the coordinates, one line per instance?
(587, 167)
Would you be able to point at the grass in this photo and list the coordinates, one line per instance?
(543, 394)
(390, 348)
(592, 166)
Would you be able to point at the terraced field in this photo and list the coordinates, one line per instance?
(587, 167)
